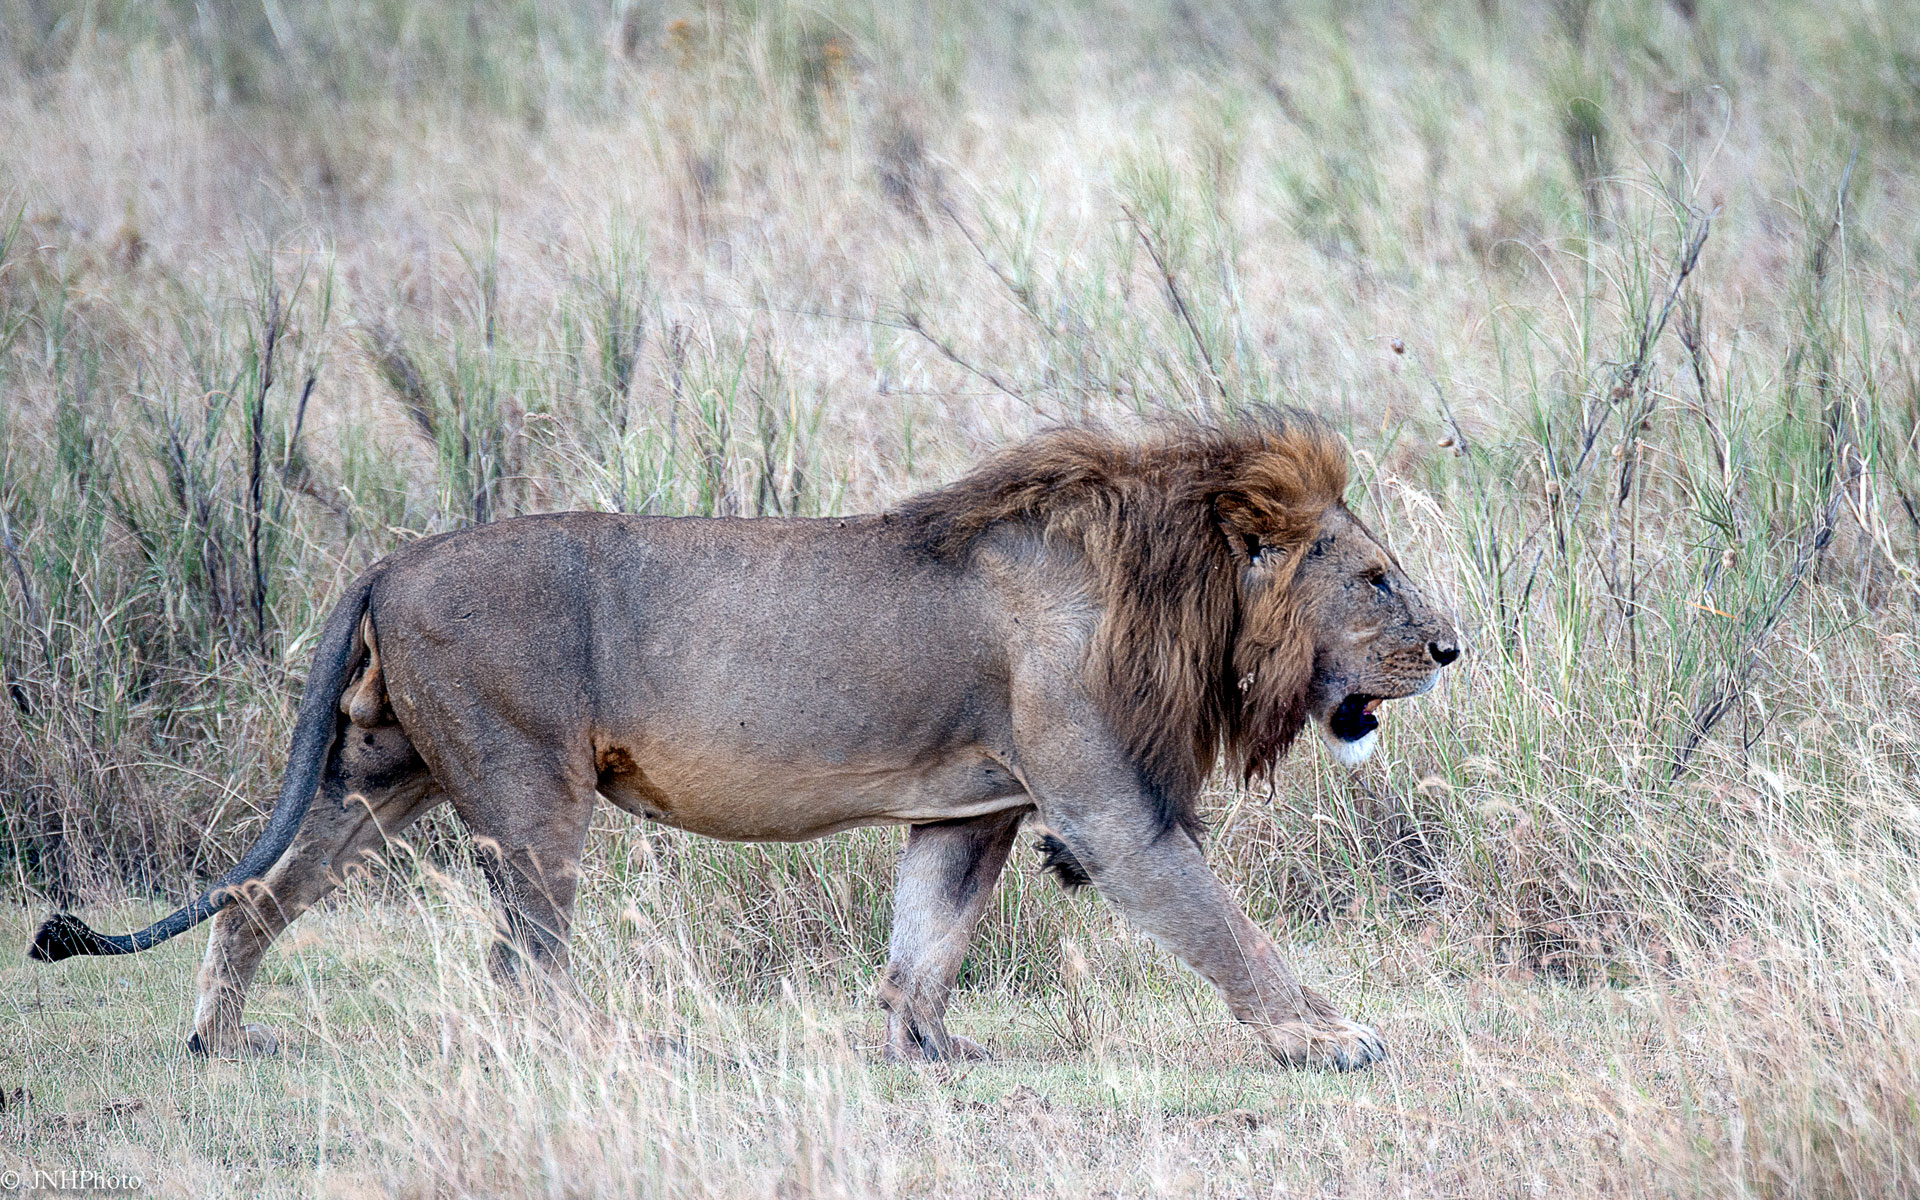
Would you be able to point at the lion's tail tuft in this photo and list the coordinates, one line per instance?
(1055, 857)
(64, 935)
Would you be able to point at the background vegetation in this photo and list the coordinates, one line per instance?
(1615, 300)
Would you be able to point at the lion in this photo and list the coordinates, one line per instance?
(1077, 632)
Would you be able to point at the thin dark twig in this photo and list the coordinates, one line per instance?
(1631, 382)
(256, 453)
(1635, 385)
(1693, 337)
(1633, 376)
(1021, 293)
(32, 609)
(1818, 260)
(912, 321)
(397, 367)
(293, 443)
(196, 504)
(1439, 393)
(1718, 698)
(19, 572)
(1178, 300)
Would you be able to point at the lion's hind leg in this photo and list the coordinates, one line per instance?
(529, 826)
(375, 786)
(945, 879)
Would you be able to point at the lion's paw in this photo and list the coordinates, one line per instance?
(968, 1050)
(1335, 1045)
(253, 1041)
(959, 1049)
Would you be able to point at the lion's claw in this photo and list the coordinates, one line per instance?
(1365, 1049)
(1337, 1045)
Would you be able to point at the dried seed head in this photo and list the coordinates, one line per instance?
(1728, 558)
(1446, 443)
(1553, 487)
(1399, 347)
(1619, 451)
(1074, 960)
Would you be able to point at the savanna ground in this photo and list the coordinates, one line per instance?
(1615, 300)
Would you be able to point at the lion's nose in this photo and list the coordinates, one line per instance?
(1443, 654)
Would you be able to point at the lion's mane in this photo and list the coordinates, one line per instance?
(1182, 667)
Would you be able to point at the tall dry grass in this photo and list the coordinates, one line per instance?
(1614, 300)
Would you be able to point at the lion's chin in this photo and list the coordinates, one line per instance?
(1350, 753)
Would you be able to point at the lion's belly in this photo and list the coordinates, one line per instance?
(744, 797)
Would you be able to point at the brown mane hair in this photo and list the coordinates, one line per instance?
(1183, 666)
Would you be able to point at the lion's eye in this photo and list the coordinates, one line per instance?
(1379, 580)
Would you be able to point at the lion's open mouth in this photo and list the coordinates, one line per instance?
(1354, 718)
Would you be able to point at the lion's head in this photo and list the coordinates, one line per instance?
(1241, 599)
(1331, 628)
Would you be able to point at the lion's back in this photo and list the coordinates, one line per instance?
(635, 616)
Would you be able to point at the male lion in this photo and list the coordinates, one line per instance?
(1076, 630)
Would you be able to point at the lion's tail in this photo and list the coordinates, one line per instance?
(65, 935)
(1055, 857)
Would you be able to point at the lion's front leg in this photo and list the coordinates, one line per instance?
(945, 879)
(1164, 886)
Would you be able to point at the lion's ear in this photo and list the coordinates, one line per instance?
(1238, 525)
(1250, 536)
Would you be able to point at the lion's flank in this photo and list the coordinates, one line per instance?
(1168, 520)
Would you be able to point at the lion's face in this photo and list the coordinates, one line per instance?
(1345, 627)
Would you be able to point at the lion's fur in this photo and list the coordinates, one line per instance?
(1167, 522)
(1075, 632)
